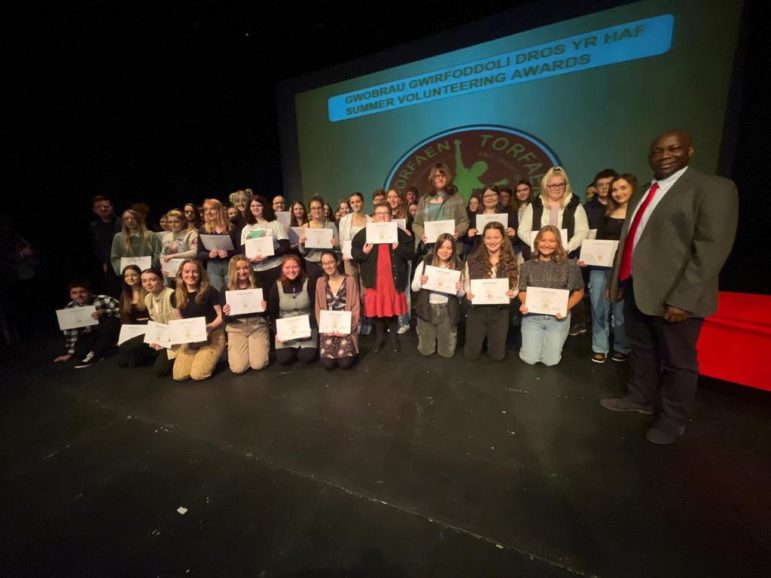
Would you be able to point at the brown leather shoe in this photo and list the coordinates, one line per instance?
(625, 404)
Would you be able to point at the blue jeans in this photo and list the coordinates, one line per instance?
(217, 271)
(601, 312)
(542, 338)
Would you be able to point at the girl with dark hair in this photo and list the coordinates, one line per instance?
(438, 313)
(192, 216)
(493, 259)
(621, 190)
(194, 297)
(440, 203)
(293, 295)
(317, 220)
(543, 336)
(336, 291)
(261, 222)
(384, 277)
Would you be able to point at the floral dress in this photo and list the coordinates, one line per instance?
(332, 346)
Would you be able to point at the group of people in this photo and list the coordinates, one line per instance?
(382, 285)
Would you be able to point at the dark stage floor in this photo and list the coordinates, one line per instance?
(402, 467)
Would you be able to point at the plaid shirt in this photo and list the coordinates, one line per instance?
(105, 305)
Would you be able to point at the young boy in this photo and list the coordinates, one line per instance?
(90, 344)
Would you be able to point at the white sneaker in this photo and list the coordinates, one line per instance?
(403, 329)
(88, 358)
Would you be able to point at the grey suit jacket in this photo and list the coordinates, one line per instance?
(683, 247)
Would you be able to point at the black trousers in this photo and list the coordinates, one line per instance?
(102, 339)
(665, 368)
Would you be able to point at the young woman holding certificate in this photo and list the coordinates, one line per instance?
(337, 292)
(261, 223)
(134, 240)
(621, 190)
(438, 310)
(351, 224)
(133, 311)
(293, 296)
(178, 242)
(490, 284)
(214, 257)
(491, 206)
(545, 328)
(194, 297)
(384, 277)
(312, 254)
(398, 205)
(248, 333)
(441, 203)
(160, 309)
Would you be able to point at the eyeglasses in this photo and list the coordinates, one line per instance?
(559, 186)
(489, 196)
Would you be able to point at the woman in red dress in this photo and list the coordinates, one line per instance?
(384, 277)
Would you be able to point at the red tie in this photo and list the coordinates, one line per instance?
(626, 259)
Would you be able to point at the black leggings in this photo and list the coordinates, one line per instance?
(392, 323)
(343, 362)
(289, 355)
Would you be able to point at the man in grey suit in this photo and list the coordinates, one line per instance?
(677, 235)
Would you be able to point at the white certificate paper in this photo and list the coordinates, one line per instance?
(547, 301)
(335, 322)
(563, 235)
(294, 235)
(191, 330)
(318, 238)
(442, 280)
(346, 247)
(599, 253)
(501, 218)
(130, 331)
(291, 328)
(262, 246)
(433, 229)
(378, 233)
(490, 291)
(141, 262)
(216, 242)
(76, 317)
(171, 267)
(244, 301)
(285, 218)
(158, 333)
(401, 223)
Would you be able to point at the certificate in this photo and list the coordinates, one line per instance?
(433, 229)
(216, 242)
(191, 330)
(482, 221)
(490, 291)
(262, 246)
(382, 232)
(285, 218)
(158, 333)
(294, 235)
(547, 301)
(346, 248)
(244, 301)
(130, 331)
(599, 253)
(335, 322)
(442, 280)
(401, 223)
(171, 267)
(318, 238)
(563, 235)
(291, 328)
(76, 317)
(141, 262)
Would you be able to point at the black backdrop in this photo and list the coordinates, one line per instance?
(160, 104)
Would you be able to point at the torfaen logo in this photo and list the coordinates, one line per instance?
(477, 155)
